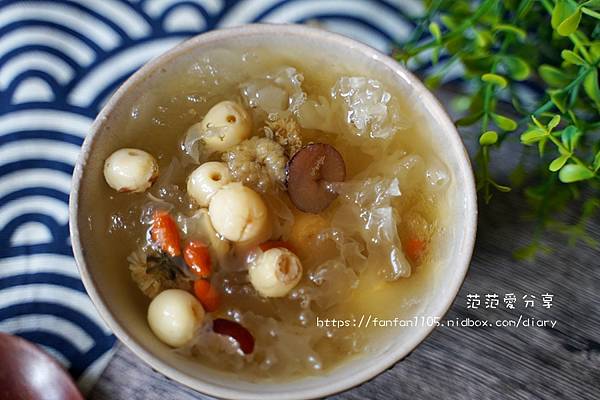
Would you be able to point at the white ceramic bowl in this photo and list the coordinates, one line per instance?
(126, 317)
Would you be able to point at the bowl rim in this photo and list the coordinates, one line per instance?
(395, 354)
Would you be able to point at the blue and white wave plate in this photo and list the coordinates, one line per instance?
(59, 63)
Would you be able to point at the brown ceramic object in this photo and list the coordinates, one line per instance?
(28, 373)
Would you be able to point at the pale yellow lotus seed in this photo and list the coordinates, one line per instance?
(130, 170)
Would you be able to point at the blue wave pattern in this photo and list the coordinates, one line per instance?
(59, 63)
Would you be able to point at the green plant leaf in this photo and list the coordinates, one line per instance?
(513, 41)
(524, 7)
(483, 38)
(517, 68)
(537, 122)
(542, 146)
(553, 122)
(469, 119)
(590, 12)
(478, 62)
(533, 135)
(435, 55)
(558, 163)
(495, 79)
(595, 51)
(450, 22)
(434, 28)
(520, 33)
(564, 152)
(570, 137)
(454, 44)
(433, 81)
(571, 57)
(477, 101)
(574, 173)
(591, 3)
(504, 123)
(596, 164)
(570, 24)
(590, 85)
(488, 138)
(517, 104)
(500, 188)
(559, 98)
(460, 103)
(562, 10)
(554, 77)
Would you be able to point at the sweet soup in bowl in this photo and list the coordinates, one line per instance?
(268, 212)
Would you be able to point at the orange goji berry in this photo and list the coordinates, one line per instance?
(207, 294)
(165, 234)
(197, 257)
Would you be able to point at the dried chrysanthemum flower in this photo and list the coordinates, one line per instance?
(286, 132)
(153, 274)
(259, 163)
